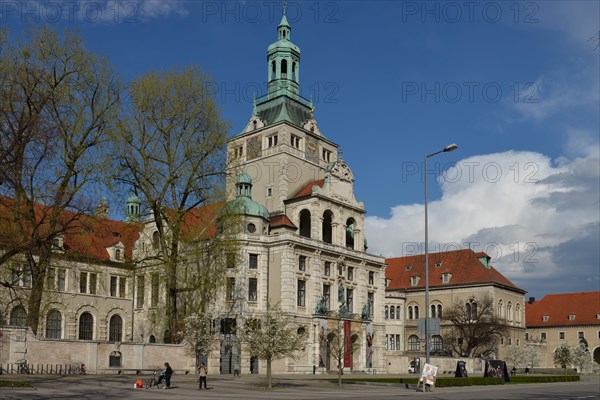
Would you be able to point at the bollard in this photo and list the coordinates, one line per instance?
(314, 369)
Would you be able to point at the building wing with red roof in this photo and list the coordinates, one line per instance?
(564, 309)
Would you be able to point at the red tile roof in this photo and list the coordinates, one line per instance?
(585, 306)
(281, 220)
(464, 265)
(307, 190)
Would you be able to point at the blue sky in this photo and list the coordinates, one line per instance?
(514, 84)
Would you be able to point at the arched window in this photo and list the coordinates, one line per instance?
(437, 343)
(392, 312)
(518, 312)
(155, 240)
(86, 326)
(18, 316)
(118, 255)
(397, 312)
(471, 310)
(386, 312)
(115, 331)
(53, 325)
(152, 339)
(350, 227)
(433, 309)
(327, 229)
(410, 312)
(509, 315)
(439, 311)
(294, 71)
(305, 223)
(413, 343)
(273, 70)
(416, 312)
(500, 309)
(283, 69)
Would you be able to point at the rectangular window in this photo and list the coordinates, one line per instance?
(543, 336)
(113, 286)
(350, 273)
(397, 342)
(154, 290)
(230, 260)
(387, 346)
(371, 277)
(302, 263)
(349, 299)
(295, 141)
(561, 335)
(238, 152)
(326, 155)
(60, 284)
(370, 301)
(327, 268)
(580, 335)
(21, 276)
(392, 343)
(83, 281)
(272, 141)
(269, 192)
(509, 341)
(122, 286)
(340, 270)
(140, 292)
(93, 283)
(253, 261)
(50, 276)
(252, 289)
(230, 289)
(301, 293)
(327, 295)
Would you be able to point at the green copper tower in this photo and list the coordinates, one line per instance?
(283, 101)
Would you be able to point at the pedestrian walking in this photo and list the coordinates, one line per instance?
(202, 375)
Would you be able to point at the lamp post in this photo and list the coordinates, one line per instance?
(450, 147)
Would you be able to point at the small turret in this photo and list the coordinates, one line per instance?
(133, 208)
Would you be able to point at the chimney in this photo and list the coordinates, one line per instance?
(531, 300)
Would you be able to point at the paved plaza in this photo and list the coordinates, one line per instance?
(286, 387)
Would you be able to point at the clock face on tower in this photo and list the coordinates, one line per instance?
(254, 147)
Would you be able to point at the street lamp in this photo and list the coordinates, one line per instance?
(450, 147)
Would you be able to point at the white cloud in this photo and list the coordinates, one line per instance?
(526, 211)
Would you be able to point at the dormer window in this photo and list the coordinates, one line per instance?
(408, 268)
(572, 317)
(118, 255)
(58, 242)
(438, 264)
(546, 318)
(446, 277)
(414, 280)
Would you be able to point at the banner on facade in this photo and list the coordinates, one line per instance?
(370, 345)
(347, 344)
(322, 343)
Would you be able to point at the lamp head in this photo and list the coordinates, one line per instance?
(450, 147)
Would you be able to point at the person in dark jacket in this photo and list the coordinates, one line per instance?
(167, 374)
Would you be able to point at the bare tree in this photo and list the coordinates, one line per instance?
(57, 103)
(273, 335)
(474, 329)
(170, 148)
(339, 343)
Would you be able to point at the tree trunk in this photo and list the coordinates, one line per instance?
(340, 370)
(269, 380)
(38, 277)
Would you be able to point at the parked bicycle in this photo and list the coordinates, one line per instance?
(22, 367)
(78, 369)
(156, 379)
